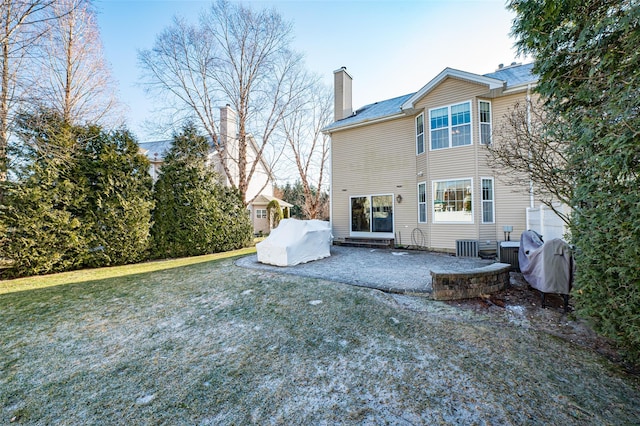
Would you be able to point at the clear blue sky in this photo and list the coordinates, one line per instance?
(391, 48)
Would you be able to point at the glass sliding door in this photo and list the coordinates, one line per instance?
(382, 206)
(360, 214)
(372, 216)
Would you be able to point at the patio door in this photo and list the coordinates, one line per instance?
(372, 216)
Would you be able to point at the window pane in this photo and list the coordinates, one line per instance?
(485, 112)
(439, 118)
(453, 201)
(460, 114)
(382, 213)
(439, 139)
(461, 135)
(420, 144)
(420, 124)
(487, 212)
(360, 214)
(485, 133)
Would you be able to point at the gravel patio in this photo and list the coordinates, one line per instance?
(393, 271)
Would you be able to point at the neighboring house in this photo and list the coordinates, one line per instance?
(260, 190)
(414, 168)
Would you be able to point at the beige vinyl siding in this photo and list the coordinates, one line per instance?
(373, 160)
(381, 158)
(451, 163)
(511, 203)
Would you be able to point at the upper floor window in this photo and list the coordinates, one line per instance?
(420, 134)
(450, 126)
(484, 112)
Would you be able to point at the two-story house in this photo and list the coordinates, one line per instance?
(414, 169)
(260, 189)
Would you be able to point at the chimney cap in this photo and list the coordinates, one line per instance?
(344, 70)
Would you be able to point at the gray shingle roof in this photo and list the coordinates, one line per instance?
(372, 111)
(514, 75)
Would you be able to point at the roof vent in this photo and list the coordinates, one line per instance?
(500, 66)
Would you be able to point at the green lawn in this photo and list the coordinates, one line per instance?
(212, 343)
(32, 283)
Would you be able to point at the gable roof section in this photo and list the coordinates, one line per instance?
(263, 200)
(492, 82)
(377, 111)
(156, 150)
(505, 78)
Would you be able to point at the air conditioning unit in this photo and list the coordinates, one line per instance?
(508, 253)
(467, 248)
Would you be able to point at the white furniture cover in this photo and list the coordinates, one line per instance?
(295, 241)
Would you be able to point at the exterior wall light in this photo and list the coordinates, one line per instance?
(399, 198)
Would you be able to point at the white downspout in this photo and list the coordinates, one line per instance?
(531, 195)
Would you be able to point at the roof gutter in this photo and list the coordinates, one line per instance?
(364, 122)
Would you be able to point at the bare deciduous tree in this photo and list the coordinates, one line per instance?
(74, 79)
(20, 29)
(234, 56)
(529, 151)
(308, 145)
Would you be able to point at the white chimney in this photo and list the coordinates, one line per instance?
(228, 125)
(342, 107)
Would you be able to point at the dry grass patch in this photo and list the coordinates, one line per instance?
(212, 343)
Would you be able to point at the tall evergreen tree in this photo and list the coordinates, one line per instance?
(42, 208)
(119, 198)
(194, 214)
(586, 54)
(81, 198)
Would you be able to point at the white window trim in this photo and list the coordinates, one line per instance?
(433, 203)
(353, 233)
(490, 123)
(493, 201)
(258, 213)
(450, 125)
(424, 139)
(425, 202)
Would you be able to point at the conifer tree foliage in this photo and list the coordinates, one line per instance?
(119, 198)
(586, 54)
(194, 213)
(81, 198)
(42, 208)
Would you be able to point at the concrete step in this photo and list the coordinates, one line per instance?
(367, 242)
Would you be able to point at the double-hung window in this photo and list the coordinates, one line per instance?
(450, 126)
(420, 134)
(484, 112)
(261, 213)
(487, 201)
(422, 202)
